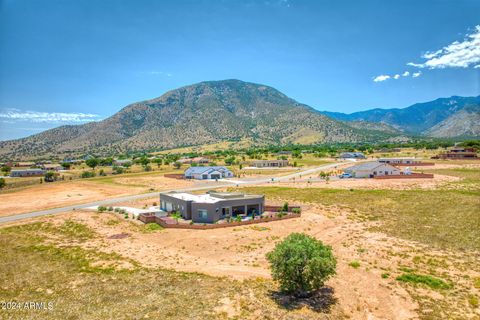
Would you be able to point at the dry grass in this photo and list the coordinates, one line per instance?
(444, 218)
(39, 262)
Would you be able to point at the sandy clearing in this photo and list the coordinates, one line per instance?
(58, 194)
(239, 253)
(397, 184)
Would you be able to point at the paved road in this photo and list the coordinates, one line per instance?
(220, 184)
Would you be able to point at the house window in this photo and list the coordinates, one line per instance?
(202, 213)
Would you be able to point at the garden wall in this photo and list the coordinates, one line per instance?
(169, 223)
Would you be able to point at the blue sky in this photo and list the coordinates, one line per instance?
(68, 61)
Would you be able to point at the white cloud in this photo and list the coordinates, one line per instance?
(381, 78)
(159, 73)
(455, 55)
(36, 116)
(397, 76)
(406, 74)
(477, 66)
(416, 74)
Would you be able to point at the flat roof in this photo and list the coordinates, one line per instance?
(210, 197)
(399, 158)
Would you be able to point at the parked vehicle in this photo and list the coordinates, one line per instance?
(345, 176)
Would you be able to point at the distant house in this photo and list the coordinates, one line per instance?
(24, 164)
(51, 167)
(372, 169)
(121, 162)
(198, 160)
(400, 161)
(26, 173)
(209, 172)
(212, 206)
(457, 153)
(269, 163)
(352, 155)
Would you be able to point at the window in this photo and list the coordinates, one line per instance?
(202, 213)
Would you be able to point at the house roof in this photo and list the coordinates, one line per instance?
(210, 197)
(26, 170)
(367, 166)
(399, 158)
(200, 170)
(354, 154)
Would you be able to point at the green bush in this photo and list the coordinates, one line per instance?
(110, 208)
(87, 174)
(301, 264)
(430, 281)
(296, 210)
(101, 208)
(354, 264)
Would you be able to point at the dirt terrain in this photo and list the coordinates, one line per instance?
(403, 184)
(66, 193)
(239, 253)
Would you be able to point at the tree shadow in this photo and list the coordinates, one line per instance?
(320, 301)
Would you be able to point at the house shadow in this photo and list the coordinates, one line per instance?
(320, 301)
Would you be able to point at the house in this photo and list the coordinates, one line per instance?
(269, 163)
(400, 161)
(210, 172)
(372, 169)
(26, 173)
(212, 206)
(51, 167)
(122, 162)
(198, 160)
(24, 164)
(352, 155)
(456, 153)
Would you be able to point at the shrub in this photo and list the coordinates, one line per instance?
(87, 174)
(296, 210)
(301, 264)
(430, 281)
(2, 183)
(354, 264)
(101, 208)
(285, 207)
(110, 208)
(385, 275)
(473, 300)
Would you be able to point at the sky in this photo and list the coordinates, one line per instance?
(70, 62)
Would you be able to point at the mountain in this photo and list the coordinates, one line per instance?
(422, 118)
(465, 122)
(373, 126)
(202, 113)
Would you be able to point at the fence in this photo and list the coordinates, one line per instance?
(178, 176)
(167, 223)
(407, 176)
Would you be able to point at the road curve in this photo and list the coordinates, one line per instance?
(107, 202)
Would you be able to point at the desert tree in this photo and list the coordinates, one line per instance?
(301, 264)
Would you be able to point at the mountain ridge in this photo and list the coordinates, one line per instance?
(418, 118)
(201, 113)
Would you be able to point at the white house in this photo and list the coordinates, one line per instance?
(372, 169)
(205, 173)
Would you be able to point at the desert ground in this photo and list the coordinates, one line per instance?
(46, 196)
(405, 249)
